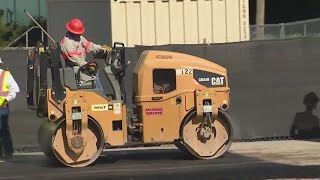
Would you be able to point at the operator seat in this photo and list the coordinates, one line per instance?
(86, 76)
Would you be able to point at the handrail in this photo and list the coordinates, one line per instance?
(27, 36)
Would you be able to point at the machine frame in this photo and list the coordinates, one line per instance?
(190, 110)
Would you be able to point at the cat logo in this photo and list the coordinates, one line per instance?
(99, 107)
(217, 81)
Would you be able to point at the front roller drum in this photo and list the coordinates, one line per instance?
(212, 141)
(53, 142)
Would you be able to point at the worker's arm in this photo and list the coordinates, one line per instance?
(92, 47)
(13, 88)
(70, 52)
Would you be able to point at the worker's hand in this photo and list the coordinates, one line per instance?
(92, 68)
(107, 48)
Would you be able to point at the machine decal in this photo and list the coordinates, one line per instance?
(41, 49)
(99, 107)
(217, 81)
(117, 108)
(209, 79)
(164, 57)
(153, 111)
(184, 71)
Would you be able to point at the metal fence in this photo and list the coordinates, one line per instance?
(298, 29)
(307, 28)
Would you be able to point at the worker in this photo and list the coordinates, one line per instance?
(74, 45)
(8, 91)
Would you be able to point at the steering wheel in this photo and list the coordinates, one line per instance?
(107, 57)
(101, 55)
(112, 59)
(90, 69)
(165, 88)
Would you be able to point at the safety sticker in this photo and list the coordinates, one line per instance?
(41, 49)
(117, 108)
(99, 107)
(154, 111)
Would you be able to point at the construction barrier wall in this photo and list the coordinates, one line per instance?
(154, 22)
(269, 81)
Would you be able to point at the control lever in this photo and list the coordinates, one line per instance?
(128, 63)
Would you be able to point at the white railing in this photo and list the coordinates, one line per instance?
(27, 37)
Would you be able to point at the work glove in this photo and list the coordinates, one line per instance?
(92, 68)
(106, 48)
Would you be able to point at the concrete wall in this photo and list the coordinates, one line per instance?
(95, 15)
(268, 81)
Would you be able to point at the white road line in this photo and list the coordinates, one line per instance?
(1, 161)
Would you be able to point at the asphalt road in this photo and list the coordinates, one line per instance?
(243, 161)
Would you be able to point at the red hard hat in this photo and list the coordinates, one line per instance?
(75, 26)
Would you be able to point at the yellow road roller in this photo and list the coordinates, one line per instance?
(176, 99)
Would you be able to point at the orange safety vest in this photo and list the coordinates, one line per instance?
(71, 48)
(4, 88)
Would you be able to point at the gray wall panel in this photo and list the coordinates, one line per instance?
(93, 14)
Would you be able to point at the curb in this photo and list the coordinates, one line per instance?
(16, 48)
(27, 149)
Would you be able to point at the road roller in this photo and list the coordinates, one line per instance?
(176, 98)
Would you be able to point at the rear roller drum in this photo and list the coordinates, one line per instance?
(205, 140)
(58, 148)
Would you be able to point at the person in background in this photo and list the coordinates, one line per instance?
(8, 92)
